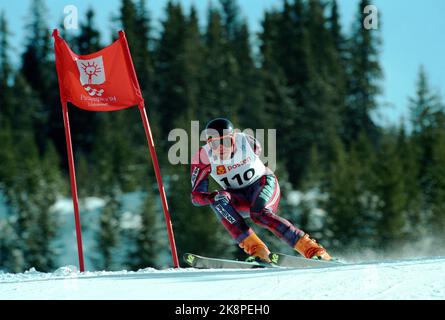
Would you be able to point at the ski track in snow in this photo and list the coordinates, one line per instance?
(396, 279)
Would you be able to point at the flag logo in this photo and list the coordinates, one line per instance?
(94, 92)
(91, 71)
(221, 170)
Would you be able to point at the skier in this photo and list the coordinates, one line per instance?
(250, 188)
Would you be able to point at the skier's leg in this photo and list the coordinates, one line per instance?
(263, 212)
(227, 210)
(266, 195)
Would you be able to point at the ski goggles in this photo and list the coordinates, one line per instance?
(226, 141)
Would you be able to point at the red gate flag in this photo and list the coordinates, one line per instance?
(100, 81)
(103, 81)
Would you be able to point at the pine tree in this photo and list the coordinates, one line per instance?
(392, 195)
(243, 88)
(437, 172)
(300, 30)
(19, 105)
(5, 73)
(11, 253)
(337, 36)
(5, 67)
(293, 40)
(24, 110)
(134, 19)
(323, 82)
(349, 222)
(364, 156)
(276, 95)
(314, 175)
(408, 153)
(52, 186)
(169, 68)
(144, 60)
(425, 105)
(147, 238)
(128, 21)
(314, 181)
(230, 19)
(36, 58)
(33, 193)
(364, 73)
(114, 154)
(8, 169)
(39, 71)
(340, 65)
(108, 235)
(13, 126)
(193, 59)
(219, 96)
(252, 109)
(29, 180)
(425, 108)
(88, 40)
(84, 174)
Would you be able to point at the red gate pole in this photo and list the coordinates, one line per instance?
(69, 149)
(168, 222)
(152, 152)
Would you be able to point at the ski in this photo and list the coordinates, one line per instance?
(278, 260)
(201, 262)
(285, 260)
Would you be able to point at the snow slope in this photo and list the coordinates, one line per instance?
(398, 279)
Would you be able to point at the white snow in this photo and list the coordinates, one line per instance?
(399, 279)
(64, 205)
(129, 220)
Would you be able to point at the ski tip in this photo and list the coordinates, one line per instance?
(274, 257)
(190, 258)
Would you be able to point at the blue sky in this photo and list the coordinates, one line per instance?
(412, 33)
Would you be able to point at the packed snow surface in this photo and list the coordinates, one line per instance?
(396, 279)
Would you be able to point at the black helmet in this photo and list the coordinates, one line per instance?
(219, 126)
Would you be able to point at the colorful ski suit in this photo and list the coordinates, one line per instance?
(250, 189)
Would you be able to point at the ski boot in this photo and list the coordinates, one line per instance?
(255, 248)
(310, 249)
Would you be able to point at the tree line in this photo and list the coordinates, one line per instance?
(361, 186)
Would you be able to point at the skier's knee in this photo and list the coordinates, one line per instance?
(258, 216)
